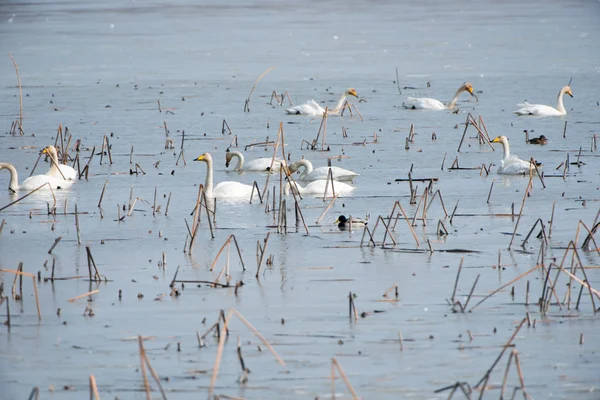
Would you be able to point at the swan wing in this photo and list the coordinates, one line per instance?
(514, 166)
(68, 172)
(423, 103)
(318, 188)
(232, 190)
(309, 108)
(33, 182)
(261, 164)
(536, 109)
(339, 174)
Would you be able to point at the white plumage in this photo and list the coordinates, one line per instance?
(310, 174)
(511, 164)
(318, 188)
(544, 110)
(33, 182)
(426, 103)
(68, 172)
(313, 108)
(258, 164)
(224, 190)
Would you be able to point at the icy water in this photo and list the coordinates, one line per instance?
(101, 68)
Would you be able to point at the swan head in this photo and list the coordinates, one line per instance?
(206, 157)
(49, 150)
(501, 139)
(295, 166)
(351, 92)
(228, 157)
(567, 90)
(467, 87)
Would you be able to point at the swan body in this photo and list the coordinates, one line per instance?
(224, 190)
(259, 164)
(425, 103)
(318, 188)
(33, 182)
(310, 174)
(313, 108)
(511, 164)
(543, 110)
(343, 223)
(68, 172)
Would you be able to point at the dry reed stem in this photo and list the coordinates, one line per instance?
(325, 211)
(29, 194)
(489, 371)
(327, 181)
(505, 285)
(527, 189)
(334, 362)
(387, 232)
(262, 253)
(20, 93)
(438, 194)
(93, 389)
(504, 381)
(143, 368)
(394, 286)
(227, 242)
(219, 355)
(258, 334)
(56, 241)
(457, 276)
(37, 300)
(409, 224)
(83, 295)
(247, 104)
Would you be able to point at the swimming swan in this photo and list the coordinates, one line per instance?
(511, 164)
(313, 108)
(33, 182)
(68, 172)
(224, 190)
(543, 110)
(425, 103)
(259, 164)
(318, 188)
(310, 174)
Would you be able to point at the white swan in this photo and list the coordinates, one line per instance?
(318, 188)
(68, 172)
(259, 164)
(224, 190)
(33, 182)
(511, 164)
(313, 108)
(425, 103)
(543, 110)
(310, 174)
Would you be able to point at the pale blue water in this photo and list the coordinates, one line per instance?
(99, 68)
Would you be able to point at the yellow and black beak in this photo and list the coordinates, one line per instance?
(200, 158)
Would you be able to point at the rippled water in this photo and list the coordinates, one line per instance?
(99, 69)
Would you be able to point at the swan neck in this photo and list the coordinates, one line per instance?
(54, 169)
(340, 103)
(240, 158)
(506, 149)
(308, 168)
(559, 101)
(14, 176)
(452, 103)
(208, 185)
